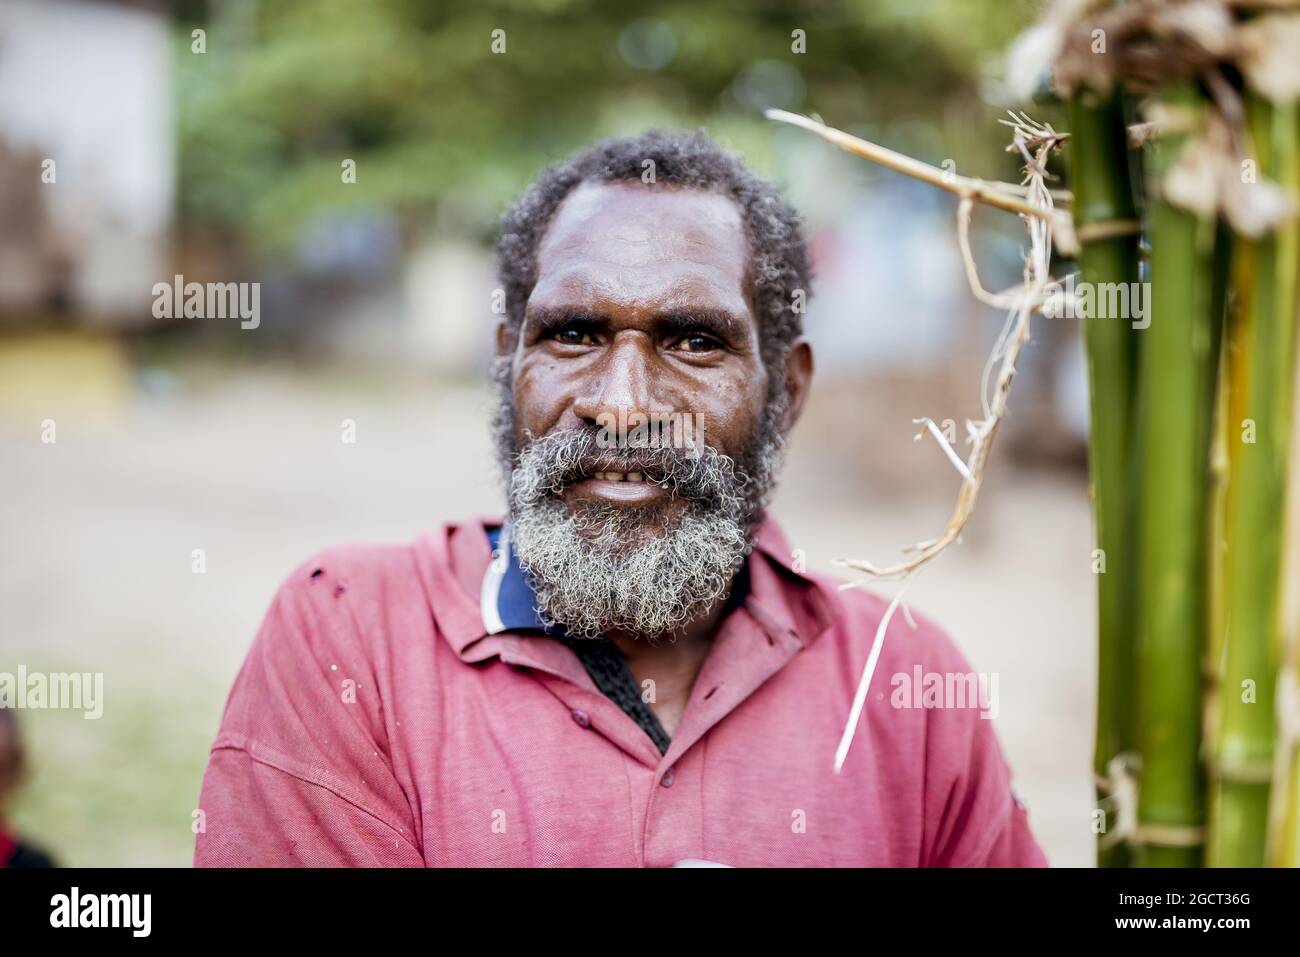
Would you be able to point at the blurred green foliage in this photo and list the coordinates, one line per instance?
(413, 92)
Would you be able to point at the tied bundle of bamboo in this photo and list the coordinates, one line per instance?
(1196, 755)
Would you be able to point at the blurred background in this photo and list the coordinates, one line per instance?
(140, 141)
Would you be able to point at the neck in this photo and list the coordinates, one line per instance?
(672, 663)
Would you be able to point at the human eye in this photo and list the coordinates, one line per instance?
(579, 333)
(695, 342)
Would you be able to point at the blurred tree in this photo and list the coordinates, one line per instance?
(414, 93)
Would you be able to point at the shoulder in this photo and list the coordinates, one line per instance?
(846, 619)
(378, 599)
(370, 581)
(330, 634)
(337, 605)
(359, 568)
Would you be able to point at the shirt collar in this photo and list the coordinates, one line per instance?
(507, 600)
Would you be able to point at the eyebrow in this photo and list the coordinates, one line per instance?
(717, 322)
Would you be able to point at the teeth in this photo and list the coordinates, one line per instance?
(634, 476)
(620, 476)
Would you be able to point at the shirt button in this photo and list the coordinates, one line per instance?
(580, 718)
(667, 779)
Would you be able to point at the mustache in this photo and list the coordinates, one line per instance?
(552, 463)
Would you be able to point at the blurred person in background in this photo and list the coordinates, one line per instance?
(631, 668)
(14, 851)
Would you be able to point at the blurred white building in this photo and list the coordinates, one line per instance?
(87, 162)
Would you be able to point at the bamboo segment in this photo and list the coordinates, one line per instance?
(1221, 450)
(1103, 194)
(1176, 387)
(1243, 755)
(1227, 409)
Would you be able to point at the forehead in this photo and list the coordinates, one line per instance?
(652, 245)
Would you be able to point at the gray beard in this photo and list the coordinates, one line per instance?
(598, 568)
(588, 578)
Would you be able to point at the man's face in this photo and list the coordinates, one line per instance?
(640, 308)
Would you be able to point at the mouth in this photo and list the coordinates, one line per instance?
(618, 488)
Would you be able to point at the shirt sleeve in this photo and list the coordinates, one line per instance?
(299, 774)
(1014, 845)
(973, 818)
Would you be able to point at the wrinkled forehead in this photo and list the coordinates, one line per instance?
(637, 245)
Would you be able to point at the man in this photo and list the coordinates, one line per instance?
(628, 670)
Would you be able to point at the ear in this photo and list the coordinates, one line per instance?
(798, 379)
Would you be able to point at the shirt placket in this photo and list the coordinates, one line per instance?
(561, 673)
(752, 645)
(750, 648)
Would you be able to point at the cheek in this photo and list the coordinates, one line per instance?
(539, 395)
(732, 412)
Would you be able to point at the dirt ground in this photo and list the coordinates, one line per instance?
(99, 530)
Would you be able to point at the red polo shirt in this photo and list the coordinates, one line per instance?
(376, 722)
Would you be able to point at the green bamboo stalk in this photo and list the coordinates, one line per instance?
(1221, 451)
(1243, 755)
(1103, 193)
(1176, 392)
(1284, 824)
(1227, 409)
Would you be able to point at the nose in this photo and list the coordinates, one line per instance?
(623, 382)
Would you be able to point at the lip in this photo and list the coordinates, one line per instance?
(618, 493)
